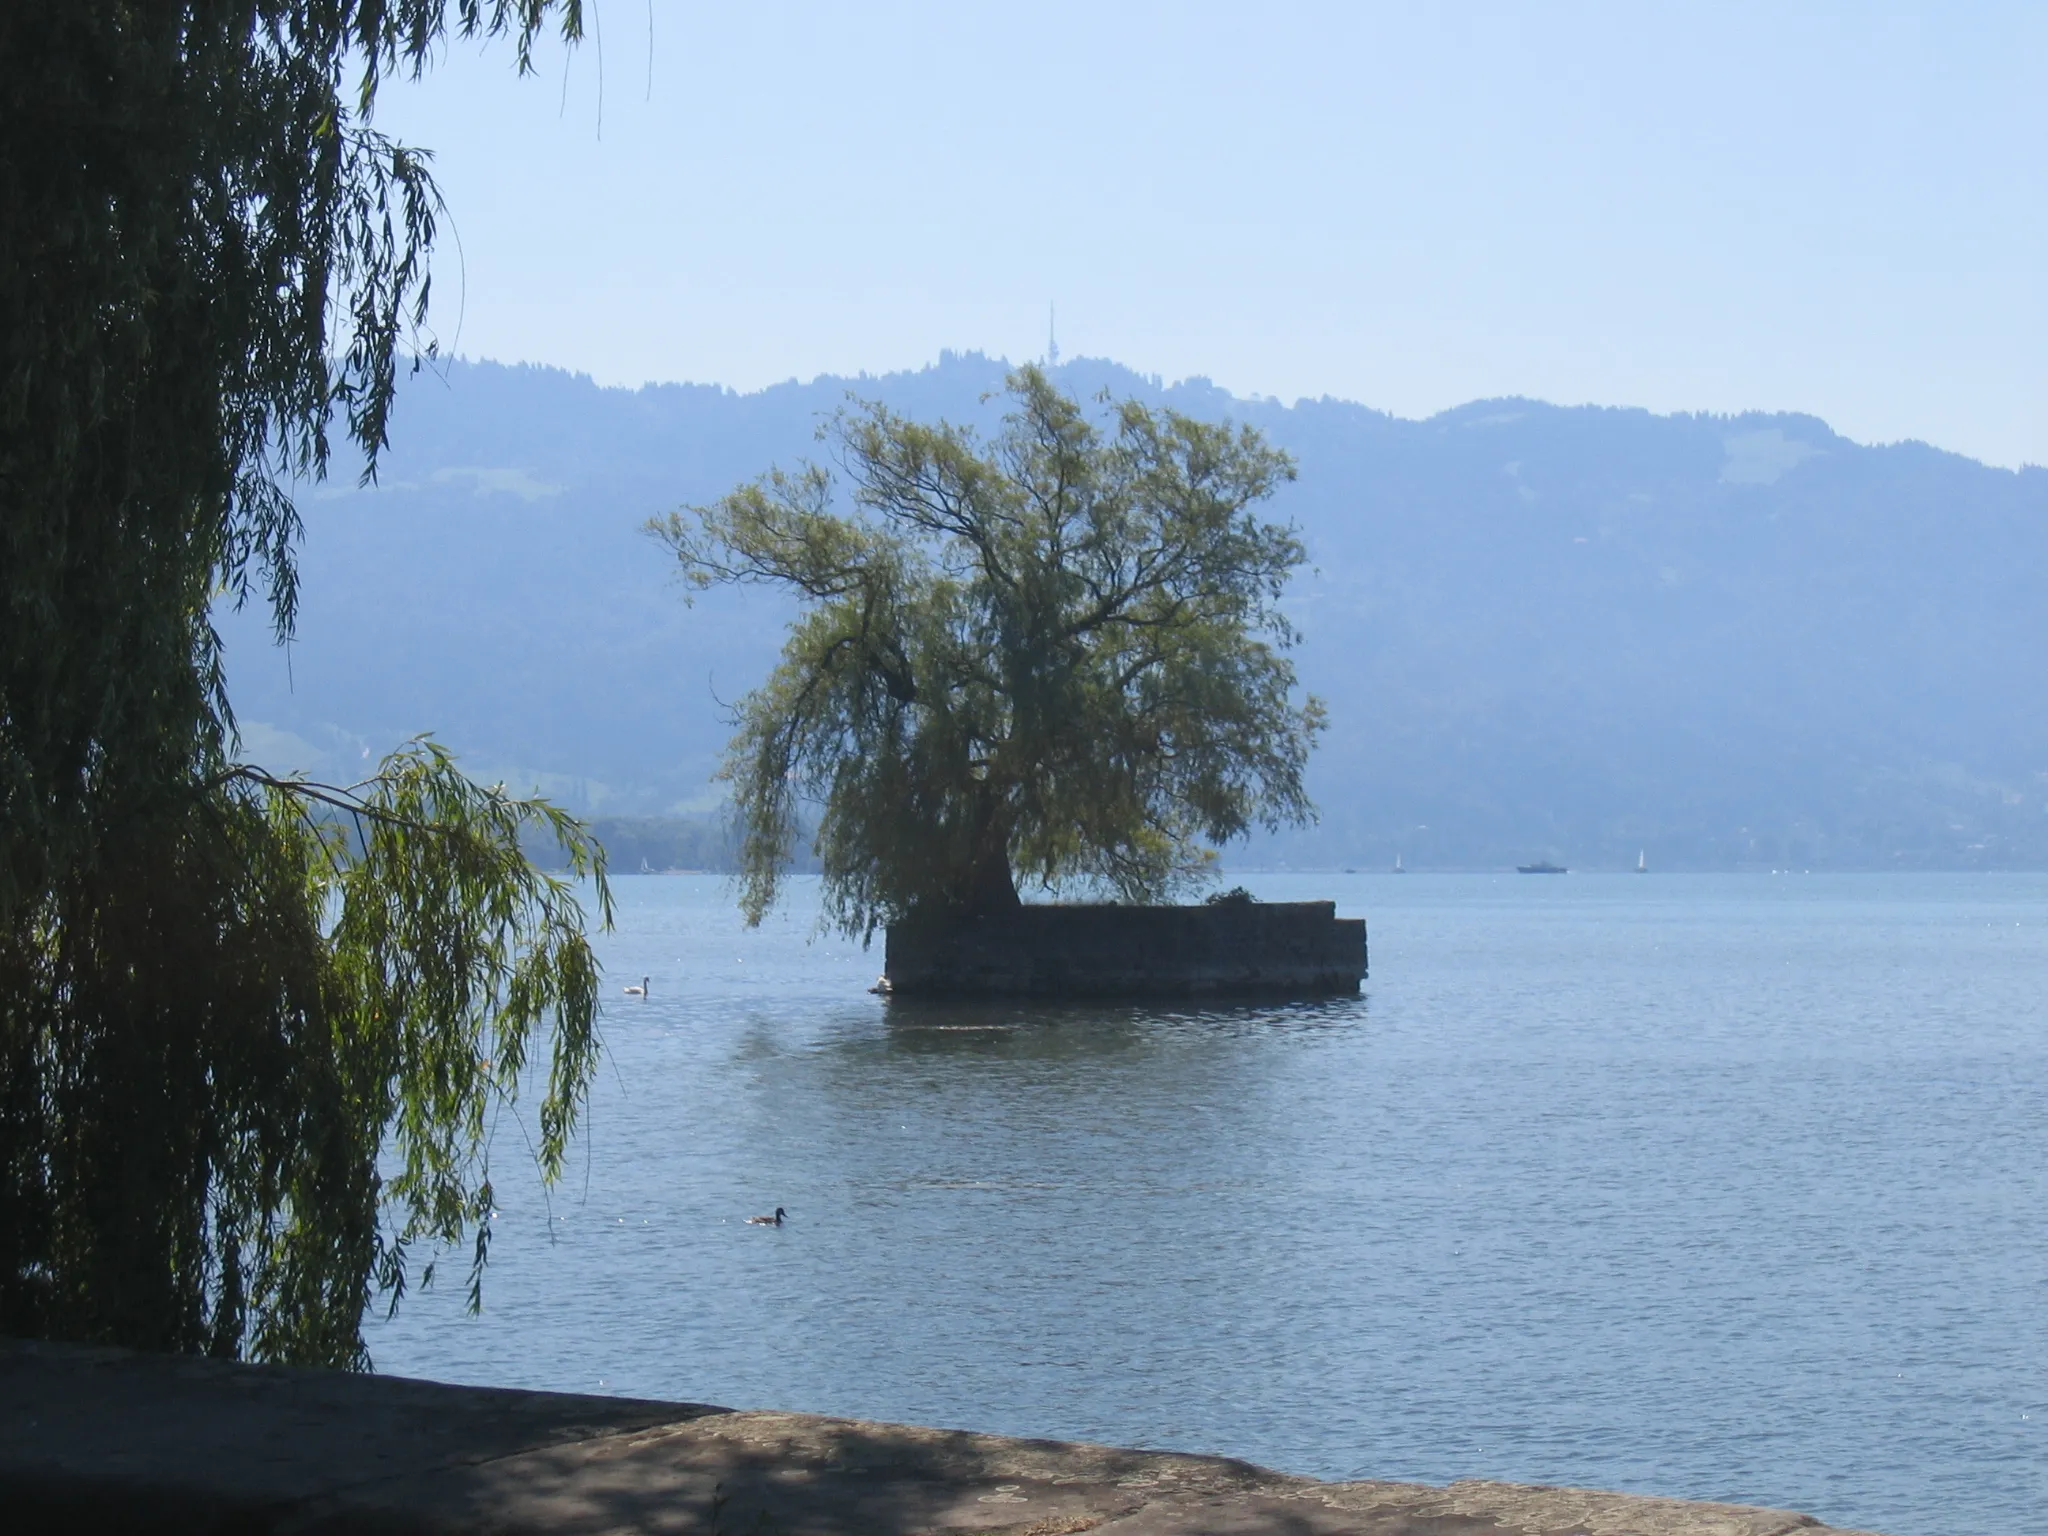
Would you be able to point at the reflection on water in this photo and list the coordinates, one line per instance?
(1052, 1031)
(909, 1015)
(1715, 1187)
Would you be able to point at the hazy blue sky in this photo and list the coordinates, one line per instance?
(1841, 209)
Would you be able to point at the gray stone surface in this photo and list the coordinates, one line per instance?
(102, 1439)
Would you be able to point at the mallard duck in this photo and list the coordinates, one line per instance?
(767, 1221)
(641, 990)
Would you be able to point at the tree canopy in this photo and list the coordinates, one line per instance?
(1056, 654)
(253, 1032)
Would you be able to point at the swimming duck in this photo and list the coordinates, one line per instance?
(641, 990)
(767, 1221)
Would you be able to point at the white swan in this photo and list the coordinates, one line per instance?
(641, 990)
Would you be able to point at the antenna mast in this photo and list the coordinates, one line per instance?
(1052, 336)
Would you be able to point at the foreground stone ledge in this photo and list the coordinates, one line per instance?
(94, 1439)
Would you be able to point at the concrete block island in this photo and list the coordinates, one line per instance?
(1221, 949)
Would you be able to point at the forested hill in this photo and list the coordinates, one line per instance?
(1574, 633)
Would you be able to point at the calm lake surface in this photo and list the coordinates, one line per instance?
(1718, 1186)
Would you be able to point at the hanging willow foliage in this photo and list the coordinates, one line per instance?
(224, 996)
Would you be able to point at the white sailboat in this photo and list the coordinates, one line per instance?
(1642, 862)
(1397, 865)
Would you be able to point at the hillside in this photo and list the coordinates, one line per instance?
(1572, 632)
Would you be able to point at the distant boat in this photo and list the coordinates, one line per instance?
(1541, 867)
(1642, 862)
(1397, 865)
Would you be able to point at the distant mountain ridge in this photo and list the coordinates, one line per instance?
(1543, 631)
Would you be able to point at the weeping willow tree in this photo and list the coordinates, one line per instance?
(1058, 655)
(254, 1032)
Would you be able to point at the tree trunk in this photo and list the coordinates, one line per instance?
(990, 885)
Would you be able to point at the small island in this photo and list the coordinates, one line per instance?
(1219, 949)
(1054, 659)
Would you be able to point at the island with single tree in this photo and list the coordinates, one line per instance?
(1054, 656)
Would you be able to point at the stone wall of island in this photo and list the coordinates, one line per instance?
(1220, 949)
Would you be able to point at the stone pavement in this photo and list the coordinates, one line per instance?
(100, 1439)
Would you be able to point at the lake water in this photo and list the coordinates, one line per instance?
(1725, 1187)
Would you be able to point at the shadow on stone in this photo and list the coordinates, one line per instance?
(94, 1439)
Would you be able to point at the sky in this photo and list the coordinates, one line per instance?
(1841, 210)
